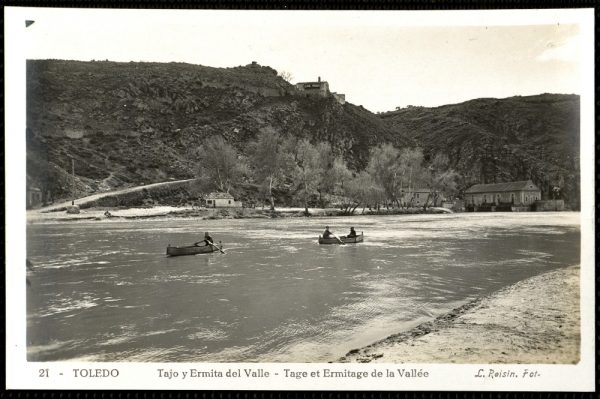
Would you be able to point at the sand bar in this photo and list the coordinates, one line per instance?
(533, 321)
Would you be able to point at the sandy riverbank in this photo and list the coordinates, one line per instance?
(43, 215)
(172, 211)
(534, 321)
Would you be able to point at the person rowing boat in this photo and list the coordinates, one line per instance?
(328, 234)
(208, 240)
(351, 238)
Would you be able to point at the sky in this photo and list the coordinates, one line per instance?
(380, 60)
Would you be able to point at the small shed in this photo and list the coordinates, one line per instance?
(221, 200)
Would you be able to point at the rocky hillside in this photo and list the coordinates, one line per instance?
(127, 124)
(130, 123)
(495, 140)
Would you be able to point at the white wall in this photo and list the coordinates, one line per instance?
(223, 203)
(520, 197)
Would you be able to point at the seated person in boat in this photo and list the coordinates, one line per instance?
(208, 240)
(327, 233)
(352, 233)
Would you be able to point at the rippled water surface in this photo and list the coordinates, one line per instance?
(105, 291)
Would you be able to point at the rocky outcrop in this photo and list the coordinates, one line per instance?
(126, 124)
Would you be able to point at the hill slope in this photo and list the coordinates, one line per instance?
(497, 140)
(131, 123)
(125, 124)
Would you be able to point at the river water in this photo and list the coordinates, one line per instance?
(105, 291)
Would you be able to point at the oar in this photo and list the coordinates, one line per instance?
(220, 250)
(337, 238)
(211, 245)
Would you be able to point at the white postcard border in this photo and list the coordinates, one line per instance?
(21, 374)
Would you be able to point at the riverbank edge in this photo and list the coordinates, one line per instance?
(510, 311)
(91, 214)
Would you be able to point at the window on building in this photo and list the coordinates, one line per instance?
(229, 201)
(209, 201)
(484, 198)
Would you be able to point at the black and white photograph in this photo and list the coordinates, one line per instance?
(298, 199)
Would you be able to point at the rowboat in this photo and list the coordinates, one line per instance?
(192, 250)
(344, 239)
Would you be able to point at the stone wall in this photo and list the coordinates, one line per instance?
(340, 98)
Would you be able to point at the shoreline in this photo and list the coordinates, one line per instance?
(157, 212)
(536, 320)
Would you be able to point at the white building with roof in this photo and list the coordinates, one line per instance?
(518, 193)
(320, 88)
(221, 200)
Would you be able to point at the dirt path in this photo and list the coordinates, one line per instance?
(94, 197)
(534, 321)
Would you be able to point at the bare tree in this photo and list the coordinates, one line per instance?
(287, 76)
(333, 172)
(384, 166)
(411, 164)
(439, 178)
(220, 166)
(271, 162)
(307, 170)
(362, 190)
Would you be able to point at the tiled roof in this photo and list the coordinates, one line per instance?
(219, 196)
(525, 185)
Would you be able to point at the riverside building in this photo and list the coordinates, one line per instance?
(517, 194)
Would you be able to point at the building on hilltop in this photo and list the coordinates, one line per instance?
(320, 88)
(221, 200)
(518, 194)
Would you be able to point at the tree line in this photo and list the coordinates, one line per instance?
(314, 172)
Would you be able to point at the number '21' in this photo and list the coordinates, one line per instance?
(43, 373)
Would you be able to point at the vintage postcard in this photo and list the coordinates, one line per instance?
(356, 200)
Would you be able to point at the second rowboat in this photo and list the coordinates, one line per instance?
(345, 240)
